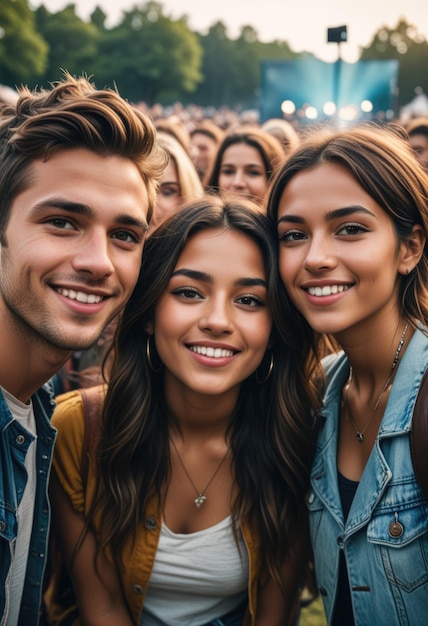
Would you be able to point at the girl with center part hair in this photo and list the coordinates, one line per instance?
(244, 164)
(193, 509)
(352, 217)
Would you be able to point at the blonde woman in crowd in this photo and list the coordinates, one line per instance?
(179, 183)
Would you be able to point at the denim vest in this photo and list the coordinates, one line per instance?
(14, 443)
(385, 538)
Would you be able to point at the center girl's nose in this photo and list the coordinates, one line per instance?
(216, 316)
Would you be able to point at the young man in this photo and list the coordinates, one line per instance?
(78, 177)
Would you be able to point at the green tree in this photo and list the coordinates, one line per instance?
(23, 52)
(217, 68)
(406, 44)
(150, 56)
(73, 43)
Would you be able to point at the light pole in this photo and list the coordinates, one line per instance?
(337, 35)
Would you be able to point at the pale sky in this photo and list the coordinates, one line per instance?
(302, 23)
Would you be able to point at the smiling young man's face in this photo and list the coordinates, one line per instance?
(72, 247)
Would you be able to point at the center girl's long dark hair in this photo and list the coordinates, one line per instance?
(270, 430)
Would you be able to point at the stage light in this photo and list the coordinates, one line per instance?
(366, 106)
(311, 113)
(329, 108)
(288, 107)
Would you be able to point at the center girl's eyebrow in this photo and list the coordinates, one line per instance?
(77, 208)
(207, 278)
(330, 215)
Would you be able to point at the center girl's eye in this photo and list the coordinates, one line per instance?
(187, 292)
(291, 235)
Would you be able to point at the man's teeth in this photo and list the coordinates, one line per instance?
(327, 290)
(216, 353)
(80, 296)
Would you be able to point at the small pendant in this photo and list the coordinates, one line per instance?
(360, 437)
(199, 500)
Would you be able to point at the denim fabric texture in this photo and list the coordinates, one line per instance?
(14, 443)
(385, 538)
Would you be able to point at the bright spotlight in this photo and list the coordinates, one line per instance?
(366, 106)
(288, 107)
(348, 113)
(329, 108)
(311, 113)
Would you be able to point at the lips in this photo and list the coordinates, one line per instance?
(80, 296)
(327, 290)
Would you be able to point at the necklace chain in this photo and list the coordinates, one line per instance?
(360, 433)
(200, 495)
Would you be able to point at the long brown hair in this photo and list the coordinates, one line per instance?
(270, 430)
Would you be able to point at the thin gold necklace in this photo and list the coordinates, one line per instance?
(200, 495)
(360, 433)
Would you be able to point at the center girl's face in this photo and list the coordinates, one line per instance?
(340, 257)
(212, 324)
(242, 171)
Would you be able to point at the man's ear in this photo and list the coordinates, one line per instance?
(411, 249)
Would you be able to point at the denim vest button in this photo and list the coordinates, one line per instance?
(2, 526)
(340, 542)
(395, 529)
(150, 523)
(137, 589)
(20, 439)
(311, 497)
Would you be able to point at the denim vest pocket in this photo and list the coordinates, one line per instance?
(402, 538)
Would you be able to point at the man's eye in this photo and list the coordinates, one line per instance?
(61, 222)
(123, 235)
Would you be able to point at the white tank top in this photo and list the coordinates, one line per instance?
(196, 577)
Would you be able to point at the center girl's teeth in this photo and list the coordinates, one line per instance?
(80, 296)
(327, 290)
(215, 353)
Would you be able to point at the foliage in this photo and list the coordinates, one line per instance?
(73, 44)
(23, 51)
(151, 57)
(404, 43)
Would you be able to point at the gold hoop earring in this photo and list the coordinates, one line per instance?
(268, 373)
(149, 358)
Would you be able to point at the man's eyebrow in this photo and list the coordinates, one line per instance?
(330, 215)
(207, 278)
(78, 208)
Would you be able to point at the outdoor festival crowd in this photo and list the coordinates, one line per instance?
(214, 330)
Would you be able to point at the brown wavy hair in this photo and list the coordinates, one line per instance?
(73, 114)
(270, 430)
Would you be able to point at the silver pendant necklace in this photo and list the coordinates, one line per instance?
(200, 495)
(359, 434)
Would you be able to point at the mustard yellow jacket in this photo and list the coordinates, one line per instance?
(70, 421)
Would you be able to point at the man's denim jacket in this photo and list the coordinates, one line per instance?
(385, 538)
(14, 443)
